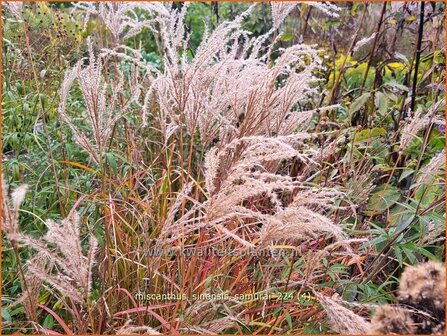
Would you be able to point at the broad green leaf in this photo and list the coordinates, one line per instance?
(369, 133)
(350, 292)
(375, 241)
(111, 160)
(395, 85)
(424, 252)
(48, 322)
(428, 193)
(406, 172)
(286, 37)
(358, 103)
(381, 102)
(382, 200)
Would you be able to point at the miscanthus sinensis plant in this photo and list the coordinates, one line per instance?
(221, 155)
(240, 102)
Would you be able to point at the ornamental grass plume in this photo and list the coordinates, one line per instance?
(15, 7)
(418, 122)
(433, 169)
(72, 272)
(247, 104)
(238, 99)
(343, 320)
(281, 9)
(129, 329)
(363, 42)
(10, 208)
(245, 192)
(240, 172)
(31, 286)
(104, 103)
(219, 325)
(10, 225)
(230, 88)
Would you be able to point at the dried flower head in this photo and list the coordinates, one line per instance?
(392, 320)
(423, 284)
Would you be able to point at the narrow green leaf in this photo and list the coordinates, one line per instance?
(289, 320)
(6, 316)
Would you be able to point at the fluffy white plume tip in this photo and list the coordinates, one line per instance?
(18, 196)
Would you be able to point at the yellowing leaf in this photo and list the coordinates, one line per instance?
(369, 133)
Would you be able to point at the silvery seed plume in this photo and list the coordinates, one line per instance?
(129, 329)
(327, 7)
(297, 224)
(433, 168)
(199, 310)
(178, 88)
(343, 320)
(363, 42)
(31, 286)
(15, 7)
(281, 9)
(113, 14)
(418, 122)
(219, 325)
(102, 102)
(229, 88)
(10, 208)
(237, 173)
(73, 269)
(154, 11)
